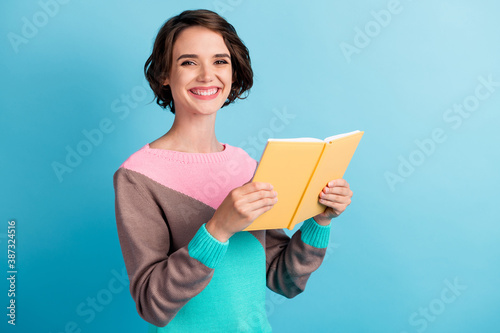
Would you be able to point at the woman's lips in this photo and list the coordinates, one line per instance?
(205, 93)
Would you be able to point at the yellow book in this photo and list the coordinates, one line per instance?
(299, 169)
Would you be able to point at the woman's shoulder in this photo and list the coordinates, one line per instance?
(238, 152)
(240, 155)
(145, 161)
(136, 157)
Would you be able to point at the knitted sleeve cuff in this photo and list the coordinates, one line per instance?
(206, 248)
(314, 234)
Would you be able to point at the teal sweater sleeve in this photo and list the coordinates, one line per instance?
(206, 248)
(314, 234)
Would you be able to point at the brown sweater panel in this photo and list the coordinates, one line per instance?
(163, 276)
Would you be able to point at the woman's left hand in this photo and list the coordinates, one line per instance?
(336, 196)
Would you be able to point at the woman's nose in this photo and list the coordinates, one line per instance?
(206, 74)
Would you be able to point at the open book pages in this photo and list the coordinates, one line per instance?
(329, 139)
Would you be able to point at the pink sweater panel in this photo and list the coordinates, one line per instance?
(207, 177)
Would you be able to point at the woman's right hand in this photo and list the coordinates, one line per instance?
(240, 208)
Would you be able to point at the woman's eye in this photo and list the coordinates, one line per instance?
(217, 62)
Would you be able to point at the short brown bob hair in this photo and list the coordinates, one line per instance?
(159, 63)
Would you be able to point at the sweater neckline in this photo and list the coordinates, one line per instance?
(184, 157)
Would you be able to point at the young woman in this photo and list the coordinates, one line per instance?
(183, 200)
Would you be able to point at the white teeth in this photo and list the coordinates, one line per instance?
(205, 92)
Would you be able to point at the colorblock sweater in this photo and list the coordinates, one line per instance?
(182, 279)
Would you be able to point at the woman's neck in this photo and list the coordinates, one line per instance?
(196, 135)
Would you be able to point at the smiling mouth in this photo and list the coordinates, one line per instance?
(207, 92)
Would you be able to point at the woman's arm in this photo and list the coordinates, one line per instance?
(290, 262)
(160, 284)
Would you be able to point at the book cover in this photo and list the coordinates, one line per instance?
(298, 169)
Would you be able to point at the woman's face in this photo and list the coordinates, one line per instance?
(201, 74)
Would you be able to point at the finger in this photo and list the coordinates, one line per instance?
(252, 208)
(337, 207)
(256, 213)
(335, 198)
(258, 195)
(338, 182)
(263, 202)
(338, 190)
(255, 186)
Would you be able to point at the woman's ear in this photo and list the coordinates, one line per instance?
(165, 82)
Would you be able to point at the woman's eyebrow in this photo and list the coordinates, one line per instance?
(222, 55)
(218, 55)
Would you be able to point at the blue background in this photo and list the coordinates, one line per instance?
(395, 251)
